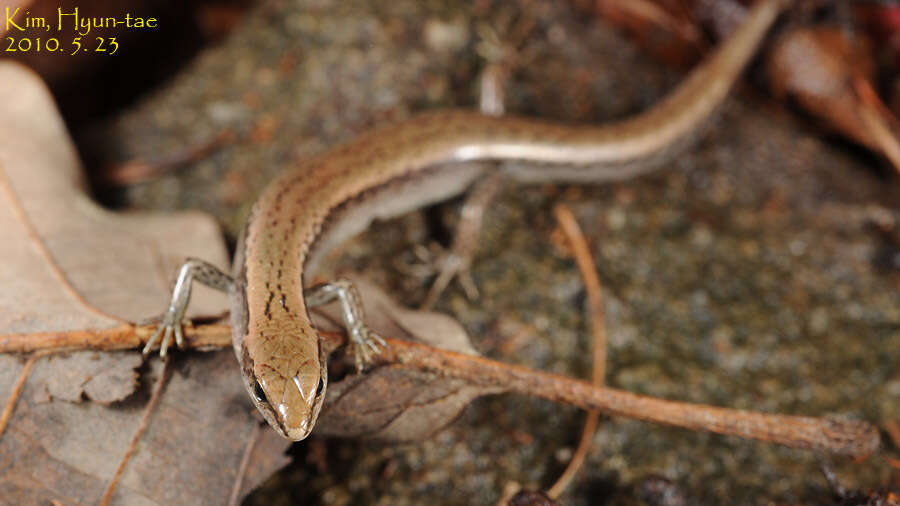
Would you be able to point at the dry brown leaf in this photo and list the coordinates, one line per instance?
(816, 67)
(829, 72)
(661, 29)
(68, 452)
(267, 455)
(67, 264)
(100, 377)
(396, 403)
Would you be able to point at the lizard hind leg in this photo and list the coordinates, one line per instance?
(456, 262)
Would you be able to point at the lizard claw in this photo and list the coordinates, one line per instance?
(366, 343)
(443, 266)
(452, 265)
(164, 333)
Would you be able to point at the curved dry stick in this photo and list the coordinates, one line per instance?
(585, 261)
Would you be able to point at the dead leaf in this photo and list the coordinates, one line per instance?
(816, 67)
(68, 264)
(267, 454)
(190, 453)
(65, 264)
(662, 30)
(396, 403)
(100, 377)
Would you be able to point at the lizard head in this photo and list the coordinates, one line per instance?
(290, 401)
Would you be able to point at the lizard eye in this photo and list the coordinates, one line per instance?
(321, 387)
(258, 392)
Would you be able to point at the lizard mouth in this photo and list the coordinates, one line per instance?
(298, 410)
(295, 426)
(285, 421)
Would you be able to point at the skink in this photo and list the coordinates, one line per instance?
(395, 169)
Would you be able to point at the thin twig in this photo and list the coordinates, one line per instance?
(139, 170)
(585, 262)
(852, 438)
(142, 427)
(235, 498)
(121, 337)
(844, 437)
(10, 406)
